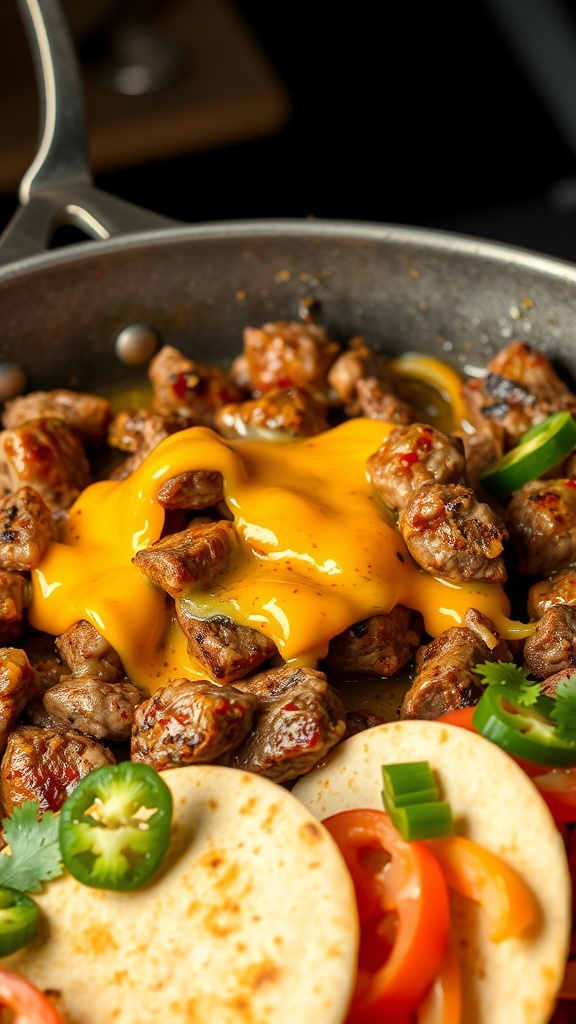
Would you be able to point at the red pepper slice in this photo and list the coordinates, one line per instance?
(404, 914)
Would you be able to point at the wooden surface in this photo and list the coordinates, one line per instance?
(226, 92)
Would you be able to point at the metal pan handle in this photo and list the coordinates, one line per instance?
(58, 187)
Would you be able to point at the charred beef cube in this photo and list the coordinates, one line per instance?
(46, 765)
(26, 529)
(551, 648)
(189, 390)
(541, 521)
(377, 403)
(224, 650)
(360, 720)
(382, 644)
(191, 722)
(444, 678)
(14, 599)
(451, 534)
(558, 588)
(185, 559)
(412, 456)
(360, 378)
(290, 412)
(301, 719)
(87, 653)
(139, 432)
(104, 711)
(197, 490)
(287, 353)
(19, 683)
(45, 454)
(87, 415)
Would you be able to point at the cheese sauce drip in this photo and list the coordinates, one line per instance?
(317, 552)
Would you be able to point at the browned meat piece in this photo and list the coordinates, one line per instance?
(382, 644)
(412, 456)
(481, 447)
(14, 598)
(46, 765)
(139, 432)
(302, 717)
(19, 683)
(187, 389)
(550, 683)
(551, 647)
(43, 657)
(541, 521)
(224, 650)
(290, 412)
(183, 560)
(87, 415)
(104, 711)
(361, 719)
(191, 723)
(26, 528)
(451, 534)
(288, 353)
(87, 653)
(559, 588)
(520, 388)
(361, 379)
(197, 490)
(46, 455)
(444, 678)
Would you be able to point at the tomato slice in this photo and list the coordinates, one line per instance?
(404, 914)
(461, 717)
(27, 1003)
(482, 876)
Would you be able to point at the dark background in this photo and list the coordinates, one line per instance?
(412, 113)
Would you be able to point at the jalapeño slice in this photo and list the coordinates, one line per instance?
(18, 919)
(540, 449)
(114, 827)
(528, 732)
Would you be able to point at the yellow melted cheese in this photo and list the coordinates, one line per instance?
(317, 552)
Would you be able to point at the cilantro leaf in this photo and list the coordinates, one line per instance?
(506, 673)
(564, 711)
(34, 848)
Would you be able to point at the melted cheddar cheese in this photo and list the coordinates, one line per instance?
(317, 552)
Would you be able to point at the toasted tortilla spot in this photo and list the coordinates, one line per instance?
(494, 803)
(227, 932)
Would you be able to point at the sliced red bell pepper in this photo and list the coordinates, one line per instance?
(404, 913)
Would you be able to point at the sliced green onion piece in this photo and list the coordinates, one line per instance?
(19, 915)
(423, 821)
(412, 801)
(541, 448)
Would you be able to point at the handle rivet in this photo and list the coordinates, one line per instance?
(13, 380)
(136, 344)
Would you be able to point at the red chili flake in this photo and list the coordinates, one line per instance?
(571, 483)
(424, 441)
(180, 385)
(408, 458)
(291, 707)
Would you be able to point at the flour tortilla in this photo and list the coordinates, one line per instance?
(251, 918)
(494, 803)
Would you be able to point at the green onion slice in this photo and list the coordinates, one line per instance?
(539, 450)
(412, 800)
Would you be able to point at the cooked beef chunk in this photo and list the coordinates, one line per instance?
(361, 719)
(444, 677)
(43, 657)
(451, 534)
(288, 353)
(382, 644)
(412, 456)
(191, 722)
(361, 379)
(46, 455)
(104, 711)
(183, 560)
(551, 647)
(481, 447)
(189, 390)
(195, 491)
(290, 412)
(224, 650)
(26, 528)
(14, 599)
(521, 388)
(558, 588)
(139, 432)
(301, 718)
(46, 765)
(87, 415)
(550, 683)
(87, 653)
(19, 683)
(541, 521)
